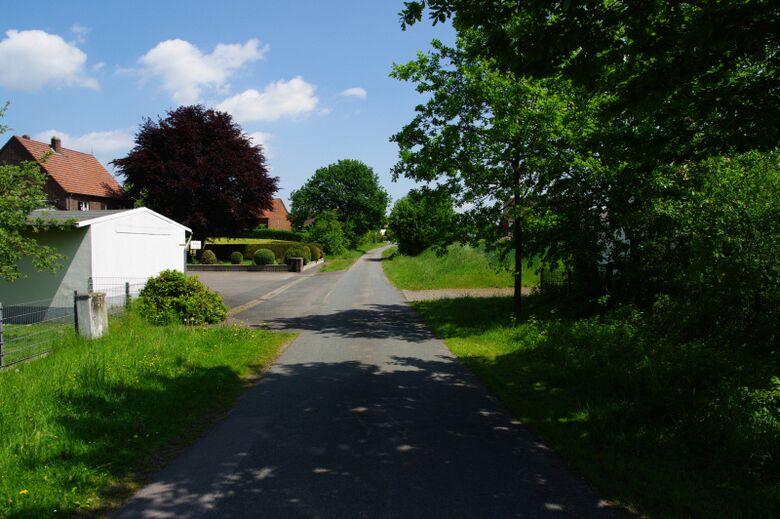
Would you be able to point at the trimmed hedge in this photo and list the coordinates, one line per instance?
(236, 258)
(296, 252)
(223, 251)
(316, 251)
(277, 234)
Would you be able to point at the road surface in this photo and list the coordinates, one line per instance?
(366, 414)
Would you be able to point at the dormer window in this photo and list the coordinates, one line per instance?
(83, 206)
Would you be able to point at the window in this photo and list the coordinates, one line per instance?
(83, 206)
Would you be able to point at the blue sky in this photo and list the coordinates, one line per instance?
(308, 79)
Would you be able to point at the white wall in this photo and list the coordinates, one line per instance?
(136, 246)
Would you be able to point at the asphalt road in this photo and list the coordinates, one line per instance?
(365, 415)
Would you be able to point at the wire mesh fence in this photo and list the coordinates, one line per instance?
(31, 329)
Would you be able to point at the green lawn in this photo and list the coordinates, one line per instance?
(347, 259)
(461, 267)
(673, 429)
(81, 427)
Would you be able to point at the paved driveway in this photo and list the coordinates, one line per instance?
(365, 415)
(238, 288)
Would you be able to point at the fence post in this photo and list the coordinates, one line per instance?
(75, 311)
(127, 294)
(2, 344)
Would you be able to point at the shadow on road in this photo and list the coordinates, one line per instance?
(394, 321)
(415, 438)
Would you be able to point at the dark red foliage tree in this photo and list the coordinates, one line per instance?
(197, 167)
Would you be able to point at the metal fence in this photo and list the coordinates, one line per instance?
(32, 328)
(554, 280)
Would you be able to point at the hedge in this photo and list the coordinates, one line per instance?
(277, 234)
(223, 251)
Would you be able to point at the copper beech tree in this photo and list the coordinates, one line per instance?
(198, 167)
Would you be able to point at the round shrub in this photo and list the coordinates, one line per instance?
(171, 297)
(264, 257)
(208, 257)
(306, 254)
(316, 251)
(296, 251)
(236, 258)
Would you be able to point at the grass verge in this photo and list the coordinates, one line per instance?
(81, 427)
(345, 260)
(674, 429)
(461, 267)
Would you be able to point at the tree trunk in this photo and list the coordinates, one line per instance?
(517, 242)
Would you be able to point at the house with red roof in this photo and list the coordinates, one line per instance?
(277, 217)
(76, 181)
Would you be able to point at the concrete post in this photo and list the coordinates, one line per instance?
(92, 314)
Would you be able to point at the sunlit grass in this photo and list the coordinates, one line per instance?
(461, 267)
(95, 415)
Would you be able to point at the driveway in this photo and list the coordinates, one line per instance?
(365, 415)
(239, 288)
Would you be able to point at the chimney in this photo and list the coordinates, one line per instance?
(56, 144)
(25, 136)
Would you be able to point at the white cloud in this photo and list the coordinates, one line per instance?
(103, 144)
(80, 32)
(29, 60)
(185, 71)
(262, 139)
(358, 92)
(279, 99)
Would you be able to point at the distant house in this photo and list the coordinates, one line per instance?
(76, 181)
(277, 217)
(102, 249)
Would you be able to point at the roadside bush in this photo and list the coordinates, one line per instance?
(296, 252)
(171, 297)
(208, 257)
(236, 258)
(264, 257)
(307, 253)
(328, 231)
(316, 251)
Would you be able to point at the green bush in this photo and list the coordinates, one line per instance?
(208, 257)
(172, 297)
(223, 251)
(236, 258)
(264, 257)
(422, 219)
(307, 253)
(316, 251)
(295, 252)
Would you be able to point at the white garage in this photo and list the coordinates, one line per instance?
(103, 251)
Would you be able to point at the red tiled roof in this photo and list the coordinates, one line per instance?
(278, 209)
(74, 171)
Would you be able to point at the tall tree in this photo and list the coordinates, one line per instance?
(494, 141)
(197, 167)
(684, 79)
(423, 219)
(348, 187)
(21, 191)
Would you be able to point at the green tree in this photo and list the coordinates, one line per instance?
(327, 231)
(423, 219)
(21, 191)
(348, 187)
(496, 142)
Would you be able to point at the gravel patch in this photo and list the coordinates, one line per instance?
(454, 293)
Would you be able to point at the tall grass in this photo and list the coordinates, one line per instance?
(94, 416)
(461, 267)
(680, 429)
